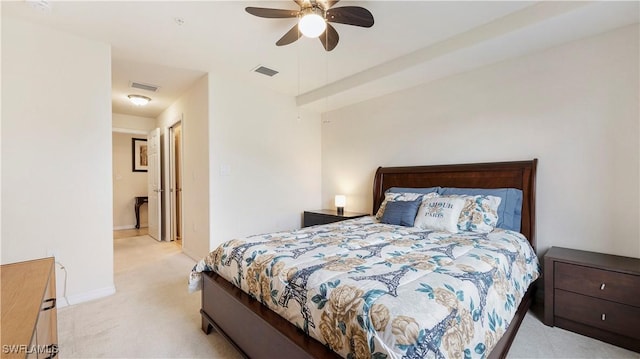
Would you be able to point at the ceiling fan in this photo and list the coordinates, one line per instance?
(314, 19)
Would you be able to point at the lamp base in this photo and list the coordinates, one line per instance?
(340, 210)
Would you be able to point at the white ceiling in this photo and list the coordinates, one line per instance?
(411, 42)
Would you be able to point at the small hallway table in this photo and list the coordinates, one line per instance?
(139, 202)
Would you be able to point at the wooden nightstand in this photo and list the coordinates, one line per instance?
(325, 216)
(594, 294)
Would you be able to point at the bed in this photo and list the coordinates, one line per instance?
(250, 322)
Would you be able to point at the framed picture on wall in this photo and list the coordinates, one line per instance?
(139, 152)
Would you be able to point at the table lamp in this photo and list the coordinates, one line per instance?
(340, 200)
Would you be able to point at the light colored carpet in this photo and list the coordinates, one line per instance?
(536, 340)
(152, 316)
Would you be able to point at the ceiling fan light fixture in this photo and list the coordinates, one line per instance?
(314, 20)
(312, 24)
(139, 100)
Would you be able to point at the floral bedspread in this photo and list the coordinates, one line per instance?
(372, 290)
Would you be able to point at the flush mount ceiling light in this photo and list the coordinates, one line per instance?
(312, 23)
(139, 100)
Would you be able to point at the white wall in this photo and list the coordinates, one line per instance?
(264, 162)
(56, 154)
(127, 184)
(129, 122)
(193, 108)
(574, 107)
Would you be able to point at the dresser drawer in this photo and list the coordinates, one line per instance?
(613, 286)
(618, 318)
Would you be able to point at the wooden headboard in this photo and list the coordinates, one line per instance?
(521, 175)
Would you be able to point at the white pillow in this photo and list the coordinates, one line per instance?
(440, 214)
(402, 196)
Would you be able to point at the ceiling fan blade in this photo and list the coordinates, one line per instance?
(329, 38)
(326, 4)
(301, 3)
(291, 36)
(350, 15)
(271, 13)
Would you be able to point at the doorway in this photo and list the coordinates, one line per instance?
(175, 177)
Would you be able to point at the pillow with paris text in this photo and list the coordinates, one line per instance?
(440, 214)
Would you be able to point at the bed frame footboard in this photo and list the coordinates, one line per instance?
(253, 329)
(257, 332)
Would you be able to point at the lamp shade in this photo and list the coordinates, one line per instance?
(340, 200)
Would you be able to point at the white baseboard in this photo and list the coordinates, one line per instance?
(85, 297)
(130, 226)
(191, 255)
(61, 302)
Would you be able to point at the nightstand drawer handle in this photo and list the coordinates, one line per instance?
(604, 317)
(602, 288)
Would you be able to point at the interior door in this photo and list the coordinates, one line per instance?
(154, 184)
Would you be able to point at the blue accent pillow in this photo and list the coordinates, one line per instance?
(401, 213)
(510, 209)
(412, 190)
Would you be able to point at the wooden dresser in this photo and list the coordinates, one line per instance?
(594, 294)
(28, 307)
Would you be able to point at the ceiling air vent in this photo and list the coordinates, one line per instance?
(141, 86)
(265, 71)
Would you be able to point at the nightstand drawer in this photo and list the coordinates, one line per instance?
(326, 216)
(312, 219)
(610, 316)
(613, 286)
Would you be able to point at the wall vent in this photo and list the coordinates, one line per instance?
(141, 86)
(265, 71)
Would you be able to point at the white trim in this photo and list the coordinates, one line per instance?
(86, 296)
(167, 173)
(191, 255)
(128, 226)
(61, 302)
(128, 130)
(176, 120)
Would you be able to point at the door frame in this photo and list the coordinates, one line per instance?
(167, 176)
(172, 179)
